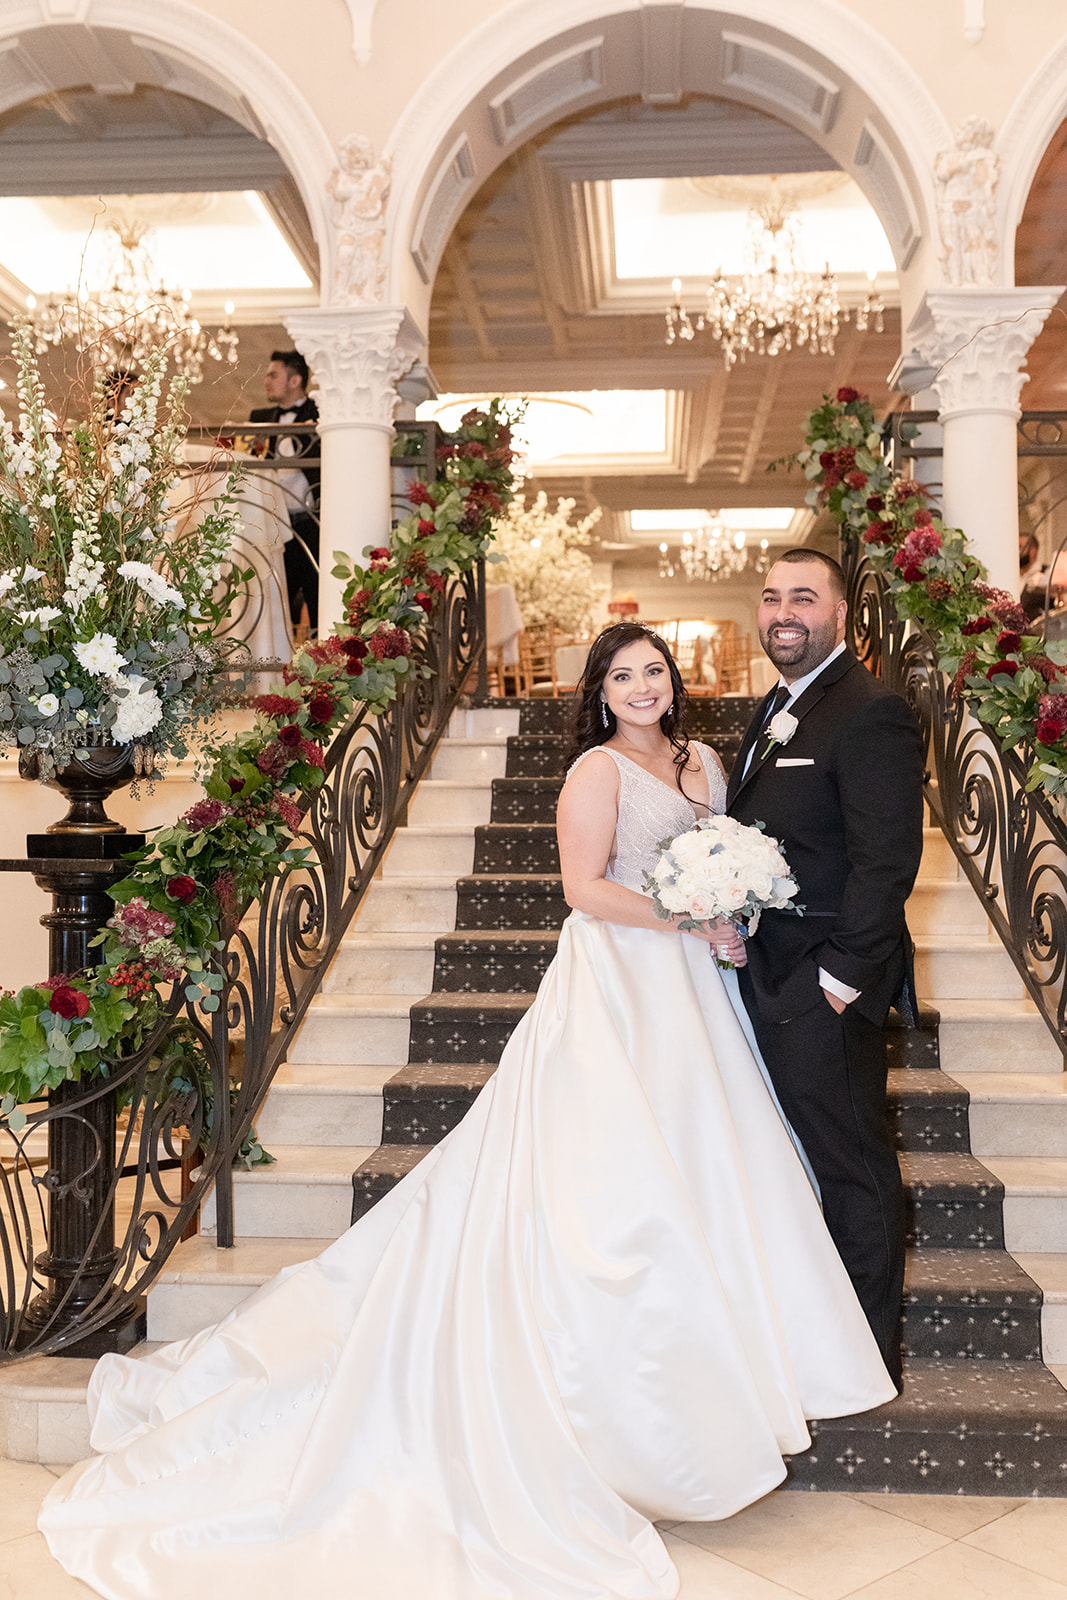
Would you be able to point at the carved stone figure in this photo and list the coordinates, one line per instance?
(359, 189)
(966, 177)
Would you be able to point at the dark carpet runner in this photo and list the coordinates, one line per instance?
(980, 1414)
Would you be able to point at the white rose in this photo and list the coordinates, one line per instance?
(702, 905)
(48, 705)
(734, 896)
(671, 897)
(782, 727)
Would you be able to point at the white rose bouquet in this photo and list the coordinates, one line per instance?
(722, 868)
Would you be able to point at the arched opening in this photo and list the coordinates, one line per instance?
(101, 127)
(516, 226)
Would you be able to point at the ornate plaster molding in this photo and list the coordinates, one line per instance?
(359, 193)
(976, 341)
(966, 175)
(357, 356)
(362, 14)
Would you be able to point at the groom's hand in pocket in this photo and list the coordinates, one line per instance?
(835, 1001)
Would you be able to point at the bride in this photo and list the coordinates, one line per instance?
(605, 1299)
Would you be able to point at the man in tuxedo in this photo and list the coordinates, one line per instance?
(285, 386)
(839, 783)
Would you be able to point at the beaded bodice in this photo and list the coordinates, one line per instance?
(650, 810)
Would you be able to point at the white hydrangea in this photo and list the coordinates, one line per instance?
(101, 656)
(153, 584)
(139, 709)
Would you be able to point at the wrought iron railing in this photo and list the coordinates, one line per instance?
(108, 1210)
(1011, 845)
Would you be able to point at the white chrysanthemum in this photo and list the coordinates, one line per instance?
(100, 655)
(152, 584)
(40, 616)
(139, 710)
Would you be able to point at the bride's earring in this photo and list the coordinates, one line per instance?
(604, 712)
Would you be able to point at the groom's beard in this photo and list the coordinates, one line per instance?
(804, 654)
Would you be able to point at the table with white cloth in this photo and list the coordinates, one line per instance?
(259, 613)
(503, 622)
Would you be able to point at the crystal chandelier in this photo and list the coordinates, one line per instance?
(713, 552)
(135, 313)
(775, 305)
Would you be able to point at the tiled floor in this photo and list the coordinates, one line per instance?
(790, 1545)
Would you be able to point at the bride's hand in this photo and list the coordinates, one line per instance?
(725, 941)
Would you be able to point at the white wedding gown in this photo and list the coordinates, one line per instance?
(607, 1297)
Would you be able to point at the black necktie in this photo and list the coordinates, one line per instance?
(775, 704)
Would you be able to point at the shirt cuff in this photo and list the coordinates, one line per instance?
(843, 991)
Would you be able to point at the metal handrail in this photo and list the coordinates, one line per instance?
(271, 968)
(1011, 845)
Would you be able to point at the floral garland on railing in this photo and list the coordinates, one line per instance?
(189, 887)
(1013, 680)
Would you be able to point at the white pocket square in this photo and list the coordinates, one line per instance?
(795, 761)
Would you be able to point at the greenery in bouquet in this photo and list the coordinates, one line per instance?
(107, 605)
(1014, 681)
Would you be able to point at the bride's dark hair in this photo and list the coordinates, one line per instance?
(589, 728)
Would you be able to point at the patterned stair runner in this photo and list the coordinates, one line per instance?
(980, 1413)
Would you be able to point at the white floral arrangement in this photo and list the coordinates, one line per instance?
(721, 868)
(107, 606)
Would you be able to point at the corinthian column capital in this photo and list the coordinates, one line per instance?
(976, 340)
(357, 355)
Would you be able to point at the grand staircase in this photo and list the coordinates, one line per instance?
(450, 944)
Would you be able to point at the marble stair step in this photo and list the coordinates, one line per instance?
(495, 720)
(943, 907)
(511, 900)
(1017, 1114)
(961, 967)
(201, 1284)
(960, 1427)
(938, 857)
(465, 1026)
(383, 963)
(354, 1029)
(1035, 1201)
(981, 1034)
(470, 760)
(488, 960)
(306, 1194)
(326, 1104)
(971, 1305)
(434, 803)
(413, 904)
(439, 849)
(1049, 1272)
(514, 847)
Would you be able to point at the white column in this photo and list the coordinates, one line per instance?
(356, 354)
(976, 341)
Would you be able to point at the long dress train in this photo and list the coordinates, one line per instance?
(607, 1297)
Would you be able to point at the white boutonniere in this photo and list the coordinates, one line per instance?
(780, 730)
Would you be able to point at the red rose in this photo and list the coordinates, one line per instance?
(183, 889)
(424, 601)
(236, 785)
(379, 554)
(320, 709)
(846, 396)
(419, 495)
(426, 526)
(1049, 730)
(978, 625)
(1009, 668)
(826, 459)
(876, 503)
(68, 1003)
(1008, 642)
(354, 649)
(290, 736)
(857, 480)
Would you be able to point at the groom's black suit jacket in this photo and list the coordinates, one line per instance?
(850, 822)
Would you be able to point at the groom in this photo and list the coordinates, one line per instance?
(838, 781)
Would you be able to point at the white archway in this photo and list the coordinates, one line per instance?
(812, 64)
(1025, 135)
(206, 48)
